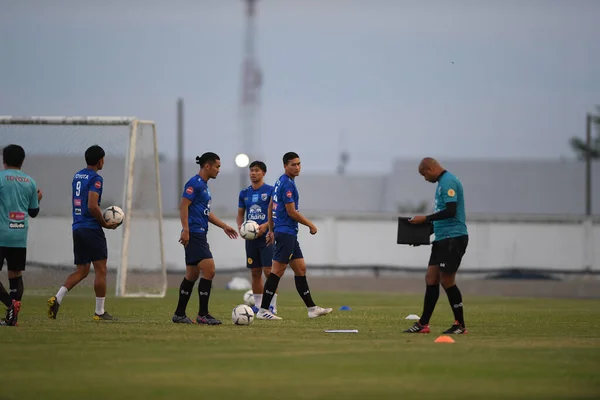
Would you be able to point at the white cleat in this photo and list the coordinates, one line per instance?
(316, 311)
(266, 314)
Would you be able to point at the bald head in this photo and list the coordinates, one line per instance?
(428, 162)
(430, 168)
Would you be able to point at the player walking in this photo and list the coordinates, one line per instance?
(89, 242)
(283, 230)
(195, 215)
(19, 198)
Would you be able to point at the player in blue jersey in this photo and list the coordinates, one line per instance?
(19, 198)
(89, 242)
(195, 215)
(253, 205)
(448, 247)
(283, 230)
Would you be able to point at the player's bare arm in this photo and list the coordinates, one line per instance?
(96, 212)
(296, 216)
(240, 217)
(271, 225)
(229, 231)
(39, 195)
(184, 238)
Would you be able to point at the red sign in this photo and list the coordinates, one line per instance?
(16, 216)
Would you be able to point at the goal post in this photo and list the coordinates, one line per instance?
(55, 148)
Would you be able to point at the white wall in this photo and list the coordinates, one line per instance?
(348, 242)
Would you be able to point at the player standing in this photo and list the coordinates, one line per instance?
(253, 205)
(283, 230)
(19, 198)
(195, 215)
(89, 242)
(448, 247)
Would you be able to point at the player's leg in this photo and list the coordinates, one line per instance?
(266, 260)
(456, 249)
(299, 267)
(100, 271)
(16, 260)
(257, 286)
(207, 267)
(283, 251)
(432, 291)
(54, 302)
(253, 263)
(4, 296)
(192, 273)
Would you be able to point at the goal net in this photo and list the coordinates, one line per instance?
(54, 148)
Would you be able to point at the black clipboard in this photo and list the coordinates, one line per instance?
(413, 234)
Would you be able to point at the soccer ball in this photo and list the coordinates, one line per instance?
(113, 214)
(249, 298)
(242, 315)
(249, 230)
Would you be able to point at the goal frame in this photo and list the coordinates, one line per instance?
(134, 124)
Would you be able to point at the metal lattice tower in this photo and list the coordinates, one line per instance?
(250, 92)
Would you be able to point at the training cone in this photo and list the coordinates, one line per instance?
(345, 308)
(444, 339)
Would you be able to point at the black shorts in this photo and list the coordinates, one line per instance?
(448, 253)
(258, 254)
(287, 248)
(89, 245)
(15, 257)
(197, 249)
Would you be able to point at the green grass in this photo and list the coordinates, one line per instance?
(516, 348)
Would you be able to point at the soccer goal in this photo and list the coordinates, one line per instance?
(55, 148)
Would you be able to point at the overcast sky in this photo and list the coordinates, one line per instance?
(383, 78)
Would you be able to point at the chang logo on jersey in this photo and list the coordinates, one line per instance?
(255, 213)
(16, 225)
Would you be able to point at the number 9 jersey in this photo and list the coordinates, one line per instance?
(85, 181)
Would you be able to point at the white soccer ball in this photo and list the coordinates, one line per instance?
(249, 230)
(242, 315)
(113, 214)
(249, 298)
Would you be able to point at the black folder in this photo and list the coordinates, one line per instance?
(413, 234)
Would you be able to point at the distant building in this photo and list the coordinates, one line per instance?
(491, 187)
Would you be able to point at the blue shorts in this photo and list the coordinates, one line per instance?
(258, 254)
(89, 245)
(197, 249)
(287, 248)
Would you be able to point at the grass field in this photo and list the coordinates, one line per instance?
(516, 348)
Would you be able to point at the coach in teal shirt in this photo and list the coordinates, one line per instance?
(448, 248)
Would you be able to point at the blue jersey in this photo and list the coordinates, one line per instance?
(284, 192)
(85, 181)
(256, 203)
(18, 194)
(196, 190)
(449, 189)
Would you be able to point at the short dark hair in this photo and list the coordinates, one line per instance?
(259, 164)
(13, 155)
(94, 154)
(205, 158)
(287, 157)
